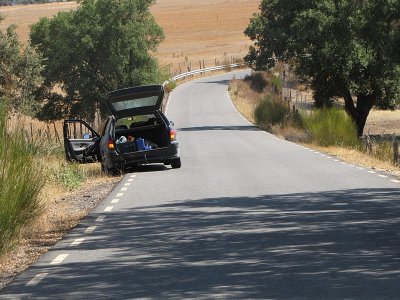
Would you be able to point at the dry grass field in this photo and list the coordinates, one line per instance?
(195, 30)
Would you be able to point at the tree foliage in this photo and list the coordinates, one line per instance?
(20, 68)
(345, 47)
(102, 46)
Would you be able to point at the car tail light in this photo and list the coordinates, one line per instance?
(110, 144)
(173, 134)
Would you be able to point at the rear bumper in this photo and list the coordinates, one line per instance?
(160, 155)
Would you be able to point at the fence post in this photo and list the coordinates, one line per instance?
(31, 133)
(56, 133)
(396, 152)
(369, 145)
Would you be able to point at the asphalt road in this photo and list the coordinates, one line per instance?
(247, 216)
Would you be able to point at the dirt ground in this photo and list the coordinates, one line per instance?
(383, 122)
(209, 30)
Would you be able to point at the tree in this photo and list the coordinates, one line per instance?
(20, 68)
(102, 46)
(347, 48)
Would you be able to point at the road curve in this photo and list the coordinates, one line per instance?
(247, 216)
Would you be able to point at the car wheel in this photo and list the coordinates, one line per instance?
(176, 163)
(110, 171)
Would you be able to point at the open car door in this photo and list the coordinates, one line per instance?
(81, 142)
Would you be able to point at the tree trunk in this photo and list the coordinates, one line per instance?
(360, 113)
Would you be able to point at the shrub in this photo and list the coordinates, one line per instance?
(21, 180)
(257, 81)
(331, 127)
(170, 86)
(70, 175)
(271, 111)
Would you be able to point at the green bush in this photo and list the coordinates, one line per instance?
(21, 180)
(331, 127)
(271, 111)
(70, 175)
(170, 86)
(277, 82)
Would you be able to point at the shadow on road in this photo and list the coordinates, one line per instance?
(215, 128)
(328, 245)
(221, 82)
(147, 168)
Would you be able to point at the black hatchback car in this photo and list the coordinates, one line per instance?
(136, 133)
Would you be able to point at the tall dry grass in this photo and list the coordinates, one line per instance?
(331, 127)
(21, 181)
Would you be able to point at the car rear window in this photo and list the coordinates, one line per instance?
(125, 104)
(136, 121)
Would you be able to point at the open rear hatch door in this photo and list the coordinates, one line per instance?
(81, 142)
(135, 100)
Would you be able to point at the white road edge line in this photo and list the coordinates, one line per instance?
(37, 279)
(59, 259)
(77, 242)
(234, 107)
(395, 181)
(109, 208)
(90, 229)
(169, 98)
(372, 172)
(100, 218)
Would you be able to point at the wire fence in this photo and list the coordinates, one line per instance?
(22, 2)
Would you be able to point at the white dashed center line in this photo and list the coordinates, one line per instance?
(130, 180)
(383, 176)
(120, 194)
(77, 242)
(90, 229)
(127, 184)
(109, 208)
(59, 259)
(37, 279)
(133, 176)
(395, 181)
(123, 190)
(372, 172)
(114, 200)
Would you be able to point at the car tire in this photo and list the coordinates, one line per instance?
(176, 163)
(110, 171)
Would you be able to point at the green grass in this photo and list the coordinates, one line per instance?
(70, 175)
(331, 127)
(271, 111)
(21, 180)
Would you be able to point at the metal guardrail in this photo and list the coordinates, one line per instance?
(201, 71)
